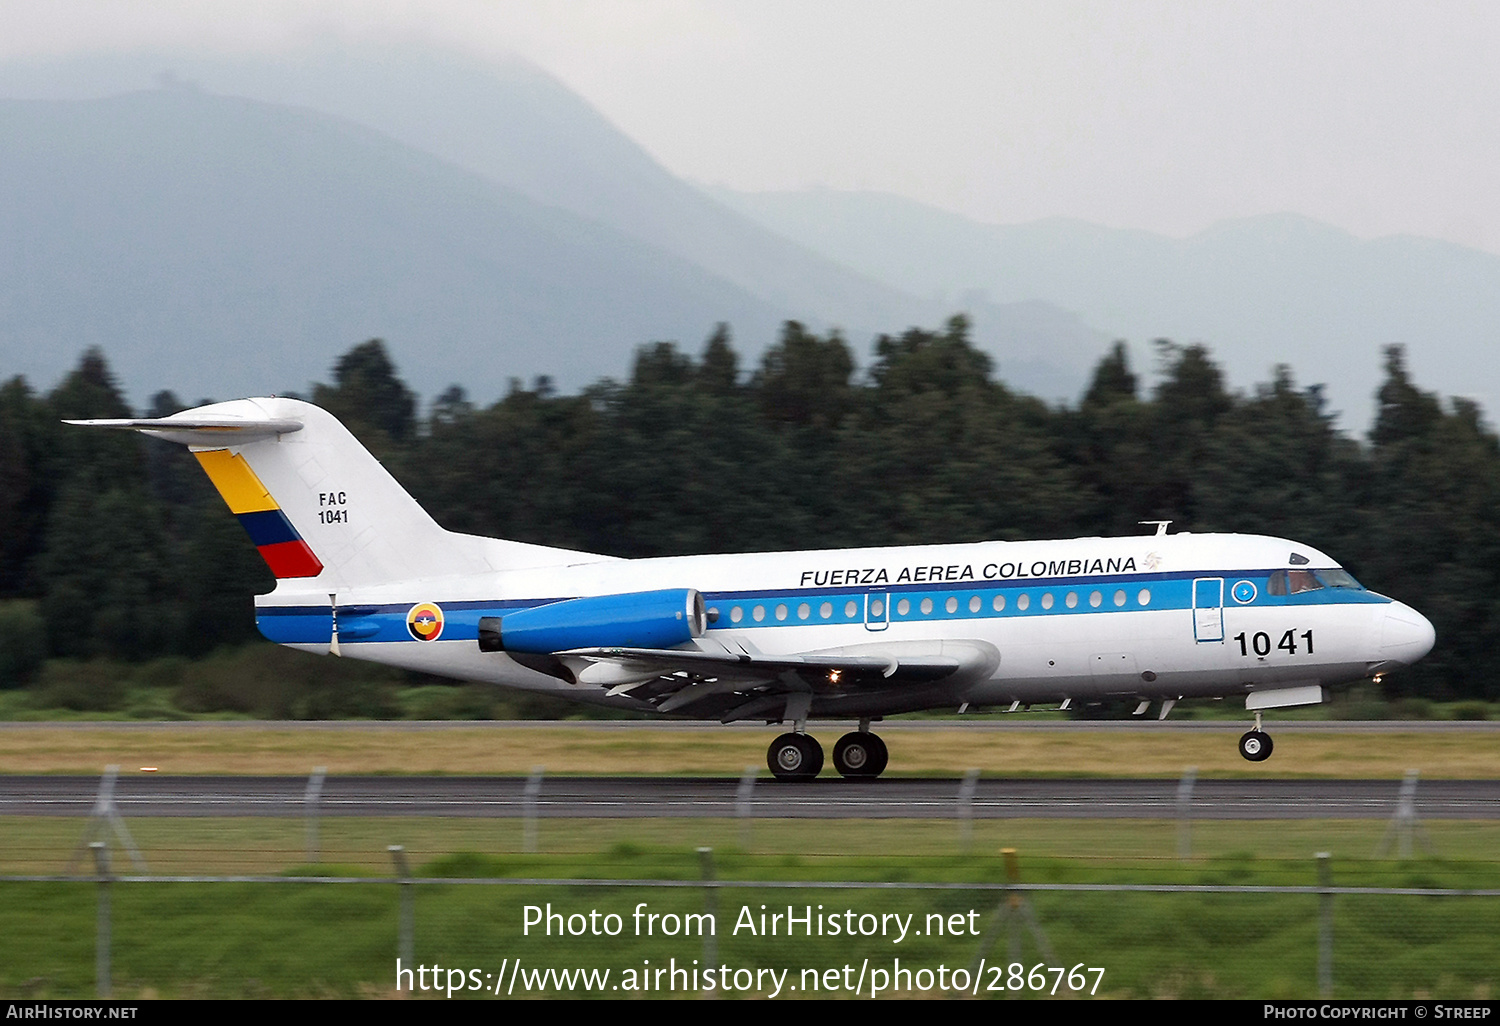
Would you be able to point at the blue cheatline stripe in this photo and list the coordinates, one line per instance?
(268, 527)
(386, 622)
(295, 625)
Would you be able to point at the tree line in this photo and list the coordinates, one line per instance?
(116, 545)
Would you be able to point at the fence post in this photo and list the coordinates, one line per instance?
(310, 799)
(101, 938)
(406, 940)
(743, 806)
(966, 807)
(1185, 812)
(1404, 823)
(710, 905)
(1013, 901)
(107, 813)
(533, 792)
(1325, 925)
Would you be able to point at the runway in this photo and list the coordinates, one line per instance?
(829, 798)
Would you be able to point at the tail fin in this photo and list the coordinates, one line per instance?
(316, 503)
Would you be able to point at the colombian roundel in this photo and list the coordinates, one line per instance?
(425, 621)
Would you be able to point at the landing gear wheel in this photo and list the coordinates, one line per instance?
(860, 754)
(794, 757)
(1255, 745)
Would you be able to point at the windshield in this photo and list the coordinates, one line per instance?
(1339, 579)
(1295, 582)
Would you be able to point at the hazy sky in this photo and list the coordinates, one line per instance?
(1376, 116)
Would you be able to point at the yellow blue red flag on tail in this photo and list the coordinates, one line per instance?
(274, 536)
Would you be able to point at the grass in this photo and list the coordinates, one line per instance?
(315, 940)
(339, 940)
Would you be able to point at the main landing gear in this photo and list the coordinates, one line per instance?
(1255, 745)
(798, 756)
(795, 757)
(860, 754)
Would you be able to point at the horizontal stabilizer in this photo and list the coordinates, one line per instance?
(202, 432)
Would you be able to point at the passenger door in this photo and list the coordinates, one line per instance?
(1208, 609)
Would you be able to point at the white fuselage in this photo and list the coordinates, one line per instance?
(1159, 616)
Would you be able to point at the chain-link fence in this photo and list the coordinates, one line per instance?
(525, 904)
(458, 936)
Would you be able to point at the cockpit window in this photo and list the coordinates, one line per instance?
(1339, 579)
(1298, 581)
(1295, 582)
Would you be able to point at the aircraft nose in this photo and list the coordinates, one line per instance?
(1406, 635)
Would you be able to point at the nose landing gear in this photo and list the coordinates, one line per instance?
(1255, 745)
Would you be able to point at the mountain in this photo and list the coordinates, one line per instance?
(1259, 291)
(669, 261)
(221, 246)
(517, 126)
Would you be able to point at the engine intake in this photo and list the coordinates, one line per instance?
(641, 619)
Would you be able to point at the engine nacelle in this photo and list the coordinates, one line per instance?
(640, 619)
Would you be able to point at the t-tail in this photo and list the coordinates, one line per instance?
(325, 515)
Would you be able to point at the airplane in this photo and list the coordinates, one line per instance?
(362, 571)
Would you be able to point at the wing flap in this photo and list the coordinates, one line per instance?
(827, 672)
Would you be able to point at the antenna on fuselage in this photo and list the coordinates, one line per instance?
(1161, 525)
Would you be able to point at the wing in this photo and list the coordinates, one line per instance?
(741, 681)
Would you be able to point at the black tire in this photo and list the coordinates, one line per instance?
(880, 755)
(851, 755)
(794, 757)
(860, 755)
(1255, 745)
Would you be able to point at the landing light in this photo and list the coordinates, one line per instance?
(833, 676)
(1378, 678)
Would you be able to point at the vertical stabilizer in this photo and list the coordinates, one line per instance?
(318, 506)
